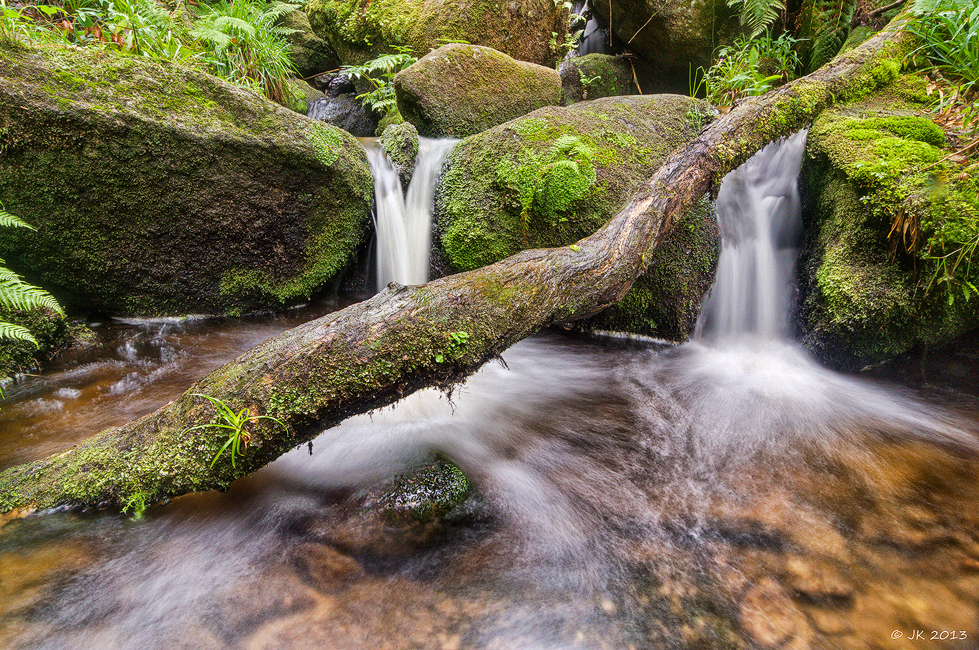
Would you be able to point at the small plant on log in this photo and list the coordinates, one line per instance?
(234, 424)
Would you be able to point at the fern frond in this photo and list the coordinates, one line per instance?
(17, 294)
(227, 23)
(13, 332)
(758, 15)
(7, 219)
(278, 10)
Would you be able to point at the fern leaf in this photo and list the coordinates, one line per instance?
(7, 219)
(758, 15)
(278, 10)
(17, 294)
(13, 332)
(227, 23)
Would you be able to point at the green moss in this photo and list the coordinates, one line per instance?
(151, 211)
(559, 174)
(884, 204)
(359, 30)
(460, 90)
(53, 333)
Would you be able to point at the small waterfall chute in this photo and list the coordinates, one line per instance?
(404, 222)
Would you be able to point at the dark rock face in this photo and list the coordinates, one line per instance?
(360, 30)
(310, 54)
(345, 112)
(158, 190)
(557, 175)
(670, 36)
(459, 90)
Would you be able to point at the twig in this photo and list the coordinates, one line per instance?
(949, 156)
(644, 24)
(635, 79)
(886, 8)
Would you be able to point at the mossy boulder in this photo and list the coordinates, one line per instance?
(670, 36)
(360, 30)
(159, 190)
(557, 175)
(400, 141)
(887, 218)
(309, 53)
(594, 76)
(300, 96)
(460, 90)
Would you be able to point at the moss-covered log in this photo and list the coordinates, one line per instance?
(373, 353)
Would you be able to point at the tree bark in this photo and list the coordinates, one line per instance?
(373, 353)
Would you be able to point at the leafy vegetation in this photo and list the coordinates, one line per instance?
(749, 67)
(234, 423)
(15, 293)
(949, 35)
(237, 41)
(379, 72)
(549, 184)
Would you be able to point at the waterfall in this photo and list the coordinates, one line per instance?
(404, 223)
(760, 216)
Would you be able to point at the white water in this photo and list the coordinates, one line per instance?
(760, 217)
(404, 223)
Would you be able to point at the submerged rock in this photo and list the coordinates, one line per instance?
(594, 76)
(160, 190)
(557, 175)
(460, 90)
(886, 219)
(360, 30)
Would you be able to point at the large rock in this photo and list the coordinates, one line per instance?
(460, 90)
(673, 37)
(594, 76)
(360, 30)
(310, 54)
(158, 190)
(345, 112)
(557, 175)
(400, 141)
(881, 210)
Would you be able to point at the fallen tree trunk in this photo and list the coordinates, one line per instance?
(406, 338)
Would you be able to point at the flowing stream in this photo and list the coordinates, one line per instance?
(403, 222)
(726, 493)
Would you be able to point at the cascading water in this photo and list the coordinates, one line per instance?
(404, 223)
(729, 495)
(760, 218)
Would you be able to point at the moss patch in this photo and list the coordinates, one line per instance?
(883, 209)
(460, 90)
(556, 176)
(158, 190)
(359, 30)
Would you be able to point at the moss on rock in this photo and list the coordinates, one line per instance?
(594, 76)
(460, 90)
(426, 493)
(400, 141)
(883, 209)
(158, 190)
(309, 53)
(557, 175)
(360, 30)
